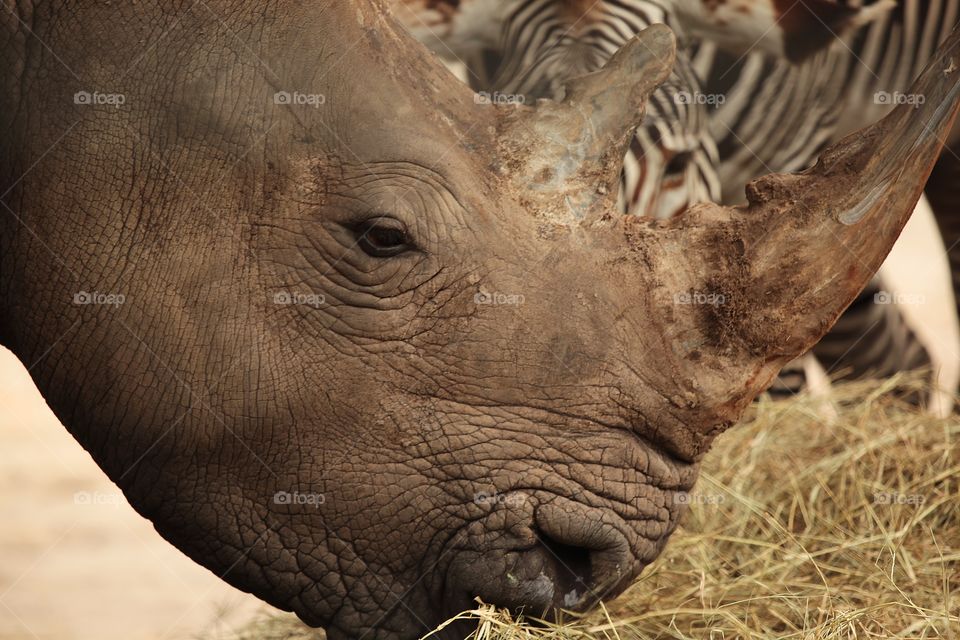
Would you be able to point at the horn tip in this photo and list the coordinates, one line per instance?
(652, 52)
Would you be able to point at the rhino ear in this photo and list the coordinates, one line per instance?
(571, 152)
(789, 263)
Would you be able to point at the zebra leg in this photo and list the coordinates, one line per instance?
(793, 378)
(943, 193)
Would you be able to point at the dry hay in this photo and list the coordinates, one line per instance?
(809, 521)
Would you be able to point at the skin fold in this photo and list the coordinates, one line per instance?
(369, 349)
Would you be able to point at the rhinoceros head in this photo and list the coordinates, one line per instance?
(370, 348)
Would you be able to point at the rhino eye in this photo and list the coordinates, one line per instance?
(382, 237)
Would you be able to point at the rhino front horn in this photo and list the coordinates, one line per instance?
(789, 262)
(571, 152)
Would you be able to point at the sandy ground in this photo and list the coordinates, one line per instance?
(78, 563)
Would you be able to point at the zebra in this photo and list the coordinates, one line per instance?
(769, 115)
(779, 116)
(529, 48)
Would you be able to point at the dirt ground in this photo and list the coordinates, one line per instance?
(78, 563)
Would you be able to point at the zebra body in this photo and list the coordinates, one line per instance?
(778, 117)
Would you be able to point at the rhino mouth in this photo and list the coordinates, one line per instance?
(572, 525)
(573, 557)
(572, 571)
(556, 575)
(591, 559)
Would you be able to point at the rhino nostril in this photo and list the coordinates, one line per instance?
(574, 569)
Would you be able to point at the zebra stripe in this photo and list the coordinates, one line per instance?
(672, 161)
(778, 117)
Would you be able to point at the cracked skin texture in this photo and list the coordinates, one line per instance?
(398, 399)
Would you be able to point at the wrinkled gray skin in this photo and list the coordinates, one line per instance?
(398, 399)
(438, 448)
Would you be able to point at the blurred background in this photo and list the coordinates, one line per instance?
(79, 563)
(76, 561)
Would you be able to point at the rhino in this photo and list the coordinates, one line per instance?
(371, 349)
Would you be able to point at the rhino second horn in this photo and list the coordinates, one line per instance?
(572, 151)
